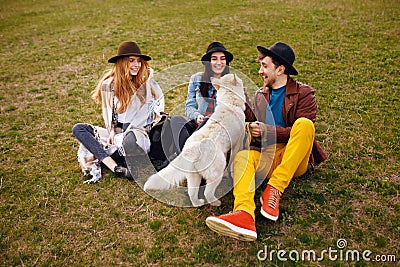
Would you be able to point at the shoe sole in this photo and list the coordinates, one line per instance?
(225, 228)
(267, 215)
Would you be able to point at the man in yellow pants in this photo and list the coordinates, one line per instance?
(285, 112)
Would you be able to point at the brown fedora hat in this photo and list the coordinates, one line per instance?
(128, 49)
(282, 53)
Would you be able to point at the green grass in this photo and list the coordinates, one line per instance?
(54, 52)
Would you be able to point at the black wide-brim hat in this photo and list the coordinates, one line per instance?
(126, 49)
(283, 54)
(216, 47)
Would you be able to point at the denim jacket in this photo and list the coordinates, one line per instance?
(195, 103)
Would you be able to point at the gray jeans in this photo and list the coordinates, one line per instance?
(85, 134)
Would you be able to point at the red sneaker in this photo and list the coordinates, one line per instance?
(270, 203)
(238, 224)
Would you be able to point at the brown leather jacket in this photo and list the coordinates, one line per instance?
(299, 102)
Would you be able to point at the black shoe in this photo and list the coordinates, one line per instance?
(166, 162)
(121, 172)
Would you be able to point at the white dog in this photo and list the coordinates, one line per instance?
(204, 153)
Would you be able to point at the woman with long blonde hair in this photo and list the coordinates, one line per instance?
(130, 100)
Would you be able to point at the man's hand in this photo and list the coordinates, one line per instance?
(255, 129)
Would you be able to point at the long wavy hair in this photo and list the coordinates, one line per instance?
(205, 78)
(125, 86)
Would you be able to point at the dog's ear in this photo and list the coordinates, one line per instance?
(235, 81)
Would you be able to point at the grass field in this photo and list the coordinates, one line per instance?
(52, 55)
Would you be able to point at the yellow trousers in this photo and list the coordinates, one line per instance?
(279, 163)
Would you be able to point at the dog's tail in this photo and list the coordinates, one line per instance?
(171, 176)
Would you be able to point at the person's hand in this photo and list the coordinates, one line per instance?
(200, 118)
(110, 140)
(255, 129)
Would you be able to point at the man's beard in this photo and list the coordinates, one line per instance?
(269, 82)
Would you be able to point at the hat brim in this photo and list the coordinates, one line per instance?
(207, 56)
(290, 69)
(114, 59)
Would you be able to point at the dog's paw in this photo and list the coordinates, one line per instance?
(197, 202)
(216, 203)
